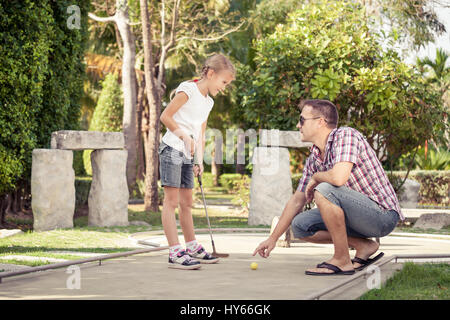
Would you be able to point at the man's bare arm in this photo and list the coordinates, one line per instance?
(292, 208)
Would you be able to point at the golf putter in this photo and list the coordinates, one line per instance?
(214, 253)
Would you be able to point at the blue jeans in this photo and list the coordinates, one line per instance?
(364, 218)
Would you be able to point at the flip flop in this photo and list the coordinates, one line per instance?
(365, 263)
(336, 269)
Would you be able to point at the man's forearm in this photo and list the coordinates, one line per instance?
(337, 176)
(292, 208)
(327, 176)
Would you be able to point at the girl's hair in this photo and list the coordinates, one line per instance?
(216, 62)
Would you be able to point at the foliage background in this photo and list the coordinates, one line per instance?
(41, 75)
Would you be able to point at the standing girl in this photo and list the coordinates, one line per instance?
(185, 119)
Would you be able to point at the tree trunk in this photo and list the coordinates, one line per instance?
(121, 20)
(129, 90)
(140, 148)
(3, 206)
(152, 135)
(215, 168)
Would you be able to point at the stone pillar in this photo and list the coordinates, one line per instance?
(409, 196)
(52, 189)
(108, 197)
(271, 184)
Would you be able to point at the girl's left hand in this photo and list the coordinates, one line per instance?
(198, 169)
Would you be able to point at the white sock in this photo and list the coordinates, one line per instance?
(192, 245)
(174, 250)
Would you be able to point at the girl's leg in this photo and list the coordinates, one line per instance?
(194, 249)
(186, 221)
(168, 215)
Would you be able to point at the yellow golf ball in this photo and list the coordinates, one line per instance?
(253, 266)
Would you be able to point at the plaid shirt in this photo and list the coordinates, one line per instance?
(367, 175)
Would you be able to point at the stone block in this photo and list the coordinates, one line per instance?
(409, 197)
(433, 221)
(271, 184)
(81, 140)
(52, 189)
(277, 138)
(108, 197)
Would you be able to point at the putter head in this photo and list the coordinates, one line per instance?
(220, 255)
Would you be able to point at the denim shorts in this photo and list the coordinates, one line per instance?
(175, 169)
(364, 218)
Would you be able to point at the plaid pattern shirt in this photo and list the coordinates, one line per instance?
(367, 176)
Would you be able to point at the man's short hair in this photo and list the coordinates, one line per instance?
(323, 108)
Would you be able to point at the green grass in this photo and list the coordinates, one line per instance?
(444, 231)
(218, 218)
(25, 263)
(84, 238)
(41, 244)
(428, 281)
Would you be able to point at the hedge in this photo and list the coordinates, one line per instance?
(41, 80)
(434, 185)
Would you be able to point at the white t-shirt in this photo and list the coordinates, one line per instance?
(190, 116)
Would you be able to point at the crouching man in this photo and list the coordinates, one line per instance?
(354, 199)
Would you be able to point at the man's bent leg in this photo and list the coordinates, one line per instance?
(364, 247)
(309, 226)
(334, 219)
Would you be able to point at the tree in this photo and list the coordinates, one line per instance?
(153, 88)
(440, 72)
(414, 22)
(121, 20)
(41, 74)
(199, 22)
(108, 113)
(329, 51)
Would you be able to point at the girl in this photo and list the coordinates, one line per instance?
(185, 118)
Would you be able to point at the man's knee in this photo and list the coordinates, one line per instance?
(325, 192)
(300, 227)
(323, 188)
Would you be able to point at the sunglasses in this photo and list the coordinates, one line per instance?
(302, 119)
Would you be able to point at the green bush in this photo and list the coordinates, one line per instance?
(295, 180)
(63, 86)
(108, 113)
(226, 180)
(139, 192)
(241, 189)
(207, 180)
(434, 160)
(78, 165)
(329, 50)
(25, 33)
(82, 187)
(41, 74)
(434, 185)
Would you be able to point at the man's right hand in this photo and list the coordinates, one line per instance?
(265, 247)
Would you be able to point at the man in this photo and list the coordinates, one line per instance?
(354, 198)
